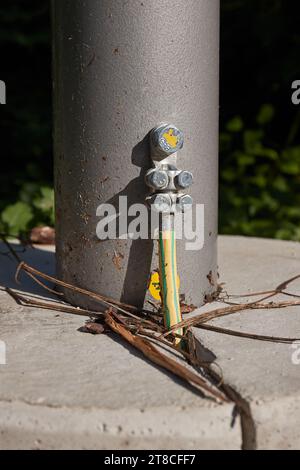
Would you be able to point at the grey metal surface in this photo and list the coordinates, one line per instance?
(121, 68)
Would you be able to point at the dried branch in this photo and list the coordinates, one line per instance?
(271, 339)
(37, 281)
(221, 312)
(99, 298)
(10, 248)
(278, 290)
(135, 329)
(20, 299)
(242, 406)
(162, 360)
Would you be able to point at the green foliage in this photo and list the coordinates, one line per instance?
(35, 207)
(25, 131)
(259, 181)
(259, 139)
(44, 202)
(16, 218)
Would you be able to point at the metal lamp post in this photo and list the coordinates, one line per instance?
(120, 68)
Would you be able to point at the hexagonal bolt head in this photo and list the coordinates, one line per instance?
(167, 139)
(157, 179)
(184, 180)
(161, 203)
(184, 203)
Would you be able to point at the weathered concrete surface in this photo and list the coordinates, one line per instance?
(67, 390)
(266, 374)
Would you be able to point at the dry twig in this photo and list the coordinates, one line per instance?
(162, 360)
(221, 312)
(134, 329)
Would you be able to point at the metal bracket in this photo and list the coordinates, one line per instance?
(166, 181)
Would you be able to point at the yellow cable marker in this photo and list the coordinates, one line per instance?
(169, 280)
(167, 184)
(154, 286)
(170, 138)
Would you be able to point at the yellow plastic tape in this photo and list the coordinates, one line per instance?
(171, 139)
(154, 285)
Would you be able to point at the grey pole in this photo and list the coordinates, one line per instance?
(121, 68)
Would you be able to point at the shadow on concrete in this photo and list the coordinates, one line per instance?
(42, 259)
(193, 389)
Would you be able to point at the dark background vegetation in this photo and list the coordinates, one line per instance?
(259, 140)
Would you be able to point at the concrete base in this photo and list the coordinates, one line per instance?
(62, 389)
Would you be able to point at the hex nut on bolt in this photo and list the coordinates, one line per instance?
(161, 203)
(157, 179)
(167, 139)
(184, 180)
(184, 203)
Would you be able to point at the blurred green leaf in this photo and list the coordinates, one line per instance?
(45, 202)
(280, 184)
(229, 175)
(235, 124)
(17, 218)
(243, 159)
(265, 115)
(292, 153)
(225, 141)
(28, 192)
(253, 141)
(290, 167)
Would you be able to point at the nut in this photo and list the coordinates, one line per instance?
(184, 180)
(167, 139)
(184, 203)
(162, 203)
(157, 179)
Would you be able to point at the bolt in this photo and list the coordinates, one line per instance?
(157, 179)
(167, 139)
(162, 203)
(184, 203)
(184, 180)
